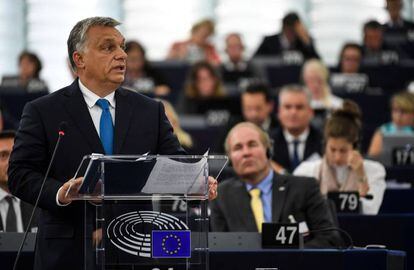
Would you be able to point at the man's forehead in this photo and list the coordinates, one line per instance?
(293, 98)
(244, 135)
(6, 142)
(102, 33)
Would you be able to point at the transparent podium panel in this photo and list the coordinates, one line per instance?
(146, 212)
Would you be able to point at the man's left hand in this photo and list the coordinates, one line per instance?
(212, 188)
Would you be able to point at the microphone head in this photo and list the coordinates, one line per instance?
(369, 197)
(62, 128)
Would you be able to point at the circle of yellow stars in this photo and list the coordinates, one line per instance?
(171, 252)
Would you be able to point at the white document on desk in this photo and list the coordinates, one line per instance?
(174, 177)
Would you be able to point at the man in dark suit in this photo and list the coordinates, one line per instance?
(257, 107)
(398, 32)
(101, 117)
(374, 49)
(296, 140)
(235, 68)
(280, 198)
(294, 37)
(14, 213)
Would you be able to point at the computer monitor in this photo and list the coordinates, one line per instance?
(397, 150)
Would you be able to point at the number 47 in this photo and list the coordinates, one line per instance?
(281, 234)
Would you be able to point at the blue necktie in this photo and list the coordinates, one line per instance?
(295, 158)
(106, 127)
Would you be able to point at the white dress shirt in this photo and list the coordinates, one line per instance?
(95, 111)
(4, 208)
(91, 98)
(374, 171)
(301, 145)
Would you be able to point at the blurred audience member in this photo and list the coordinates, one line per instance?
(183, 137)
(294, 37)
(350, 59)
(296, 140)
(197, 47)
(140, 77)
(402, 121)
(29, 74)
(258, 194)
(374, 49)
(397, 31)
(315, 76)
(236, 67)
(14, 213)
(203, 83)
(347, 77)
(257, 107)
(343, 168)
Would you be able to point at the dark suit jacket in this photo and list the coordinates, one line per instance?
(26, 211)
(140, 126)
(272, 46)
(296, 196)
(281, 151)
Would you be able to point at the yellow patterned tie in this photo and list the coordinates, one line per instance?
(257, 207)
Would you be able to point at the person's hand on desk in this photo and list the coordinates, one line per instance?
(69, 190)
(212, 188)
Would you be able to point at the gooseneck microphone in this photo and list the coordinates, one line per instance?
(350, 243)
(61, 132)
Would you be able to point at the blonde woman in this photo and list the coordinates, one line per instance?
(183, 137)
(402, 121)
(315, 77)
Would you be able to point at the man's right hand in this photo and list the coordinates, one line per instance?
(69, 190)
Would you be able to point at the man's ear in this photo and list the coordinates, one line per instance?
(78, 59)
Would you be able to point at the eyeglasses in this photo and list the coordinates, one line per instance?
(401, 111)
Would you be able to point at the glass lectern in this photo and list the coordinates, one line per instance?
(146, 212)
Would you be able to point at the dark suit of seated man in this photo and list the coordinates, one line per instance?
(294, 37)
(296, 140)
(14, 213)
(283, 198)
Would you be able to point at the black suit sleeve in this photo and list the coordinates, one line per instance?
(269, 46)
(317, 217)
(29, 160)
(218, 222)
(308, 50)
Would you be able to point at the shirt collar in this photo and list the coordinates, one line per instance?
(265, 185)
(91, 98)
(4, 194)
(301, 138)
(241, 65)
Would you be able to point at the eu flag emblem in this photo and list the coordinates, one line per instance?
(171, 244)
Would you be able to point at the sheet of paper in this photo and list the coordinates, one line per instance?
(174, 177)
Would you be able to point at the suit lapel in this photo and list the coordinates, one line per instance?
(278, 196)
(242, 205)
(123, 115)
(309, 145)
(285, 151)
(78, 109)
(26, 210)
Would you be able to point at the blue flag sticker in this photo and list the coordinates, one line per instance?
(171, 244)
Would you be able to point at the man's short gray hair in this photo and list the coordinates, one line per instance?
(295, 88)
(77, 37)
